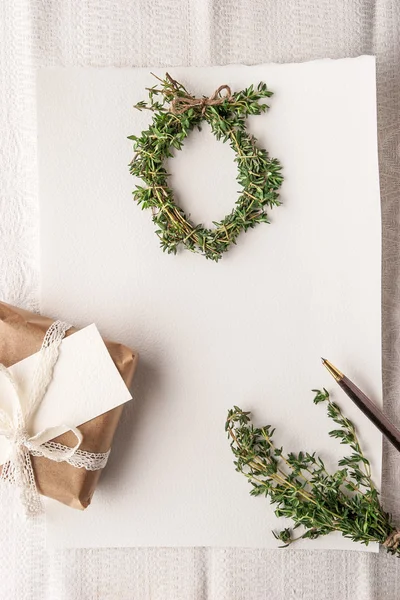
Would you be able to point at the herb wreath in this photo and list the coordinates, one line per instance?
(299, 484)
(176, 113)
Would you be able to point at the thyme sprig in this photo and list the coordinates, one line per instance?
(258, 175)
(304, 491)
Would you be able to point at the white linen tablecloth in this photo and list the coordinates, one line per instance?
(194, 32)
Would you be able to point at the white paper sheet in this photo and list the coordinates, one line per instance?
(249, 330)
(85, 384)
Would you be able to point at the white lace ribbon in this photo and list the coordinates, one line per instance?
(18, 470)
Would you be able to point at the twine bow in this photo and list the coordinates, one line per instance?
(393, 540)
(13, 427)
(181, 104)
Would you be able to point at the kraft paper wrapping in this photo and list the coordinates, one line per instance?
(21, 334)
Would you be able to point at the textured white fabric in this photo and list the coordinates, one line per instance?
(195, 32)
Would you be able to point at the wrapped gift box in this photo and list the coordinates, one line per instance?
(21, 334)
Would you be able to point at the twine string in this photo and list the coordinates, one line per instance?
(181, 104)
(393, 540)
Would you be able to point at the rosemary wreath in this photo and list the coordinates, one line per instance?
(176, 113)
(301, 488)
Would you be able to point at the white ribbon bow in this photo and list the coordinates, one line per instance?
(18, 469)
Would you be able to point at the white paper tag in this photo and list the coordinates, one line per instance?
(86, 383)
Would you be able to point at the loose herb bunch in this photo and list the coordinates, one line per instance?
(302, 489)
(175, 114)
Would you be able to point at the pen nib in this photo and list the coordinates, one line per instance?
(332, 369)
